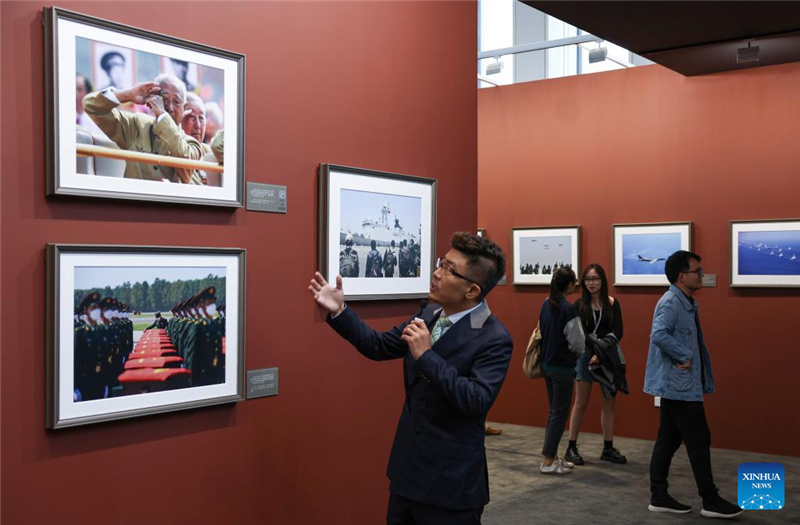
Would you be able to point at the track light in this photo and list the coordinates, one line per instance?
(747, 54)
(598, 55)
(495, 67)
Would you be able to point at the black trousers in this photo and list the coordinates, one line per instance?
(403, 511)
(682, 421)
(559, 396)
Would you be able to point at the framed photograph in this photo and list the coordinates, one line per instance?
(137, 330)
(378, 231)
(538, 252)
(133, 114)
(640, 251)
(765, 253)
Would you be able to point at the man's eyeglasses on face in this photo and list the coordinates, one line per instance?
(698, 271)
(442, 263)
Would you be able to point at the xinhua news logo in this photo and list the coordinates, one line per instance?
(761, 486)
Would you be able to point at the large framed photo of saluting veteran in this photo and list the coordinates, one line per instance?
(378, 231)
(641, 251)
(133, 114)
(538, 252)
(137, 330)
(765, 253)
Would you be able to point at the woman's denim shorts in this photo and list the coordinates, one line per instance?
(582, 368)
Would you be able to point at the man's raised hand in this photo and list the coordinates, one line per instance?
(139, 93)
(330, 298)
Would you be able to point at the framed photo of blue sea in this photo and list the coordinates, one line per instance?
(765, 253)
(135, 114)
(139, 330)
(538, 252)
(640, 251)
(378, 231)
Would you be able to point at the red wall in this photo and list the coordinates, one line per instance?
(649, 145)
(381, 85)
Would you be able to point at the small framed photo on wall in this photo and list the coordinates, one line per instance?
(765, 253)
(134, 114)
(640, 251)
(378, 231)
(139, 330)
(538, 252)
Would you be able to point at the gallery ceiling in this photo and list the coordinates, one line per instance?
(690, 37)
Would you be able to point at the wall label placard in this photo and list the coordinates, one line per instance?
(262, 383)
(266, 197)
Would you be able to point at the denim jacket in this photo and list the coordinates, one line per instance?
(676, 338)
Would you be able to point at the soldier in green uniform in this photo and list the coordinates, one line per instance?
(88, 351)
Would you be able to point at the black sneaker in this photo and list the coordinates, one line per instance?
(573, 456)
(666, 503)
(720, 508)
(613, 455)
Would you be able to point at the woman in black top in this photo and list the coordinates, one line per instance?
(562, 343)
(600, 315)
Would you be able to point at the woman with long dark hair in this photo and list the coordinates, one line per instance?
(600, 315)
(562, 343)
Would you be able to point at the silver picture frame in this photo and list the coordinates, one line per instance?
(538, 251)
(395, 212)
(765, 253)
(641, 249)
(84, 54)
(106, 361)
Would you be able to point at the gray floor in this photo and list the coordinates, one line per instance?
(599, 492)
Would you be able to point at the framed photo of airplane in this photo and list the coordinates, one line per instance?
(378, 231)
(765, 253)
(139, 330)
(640, 251)
(134, 114)
(538, 252)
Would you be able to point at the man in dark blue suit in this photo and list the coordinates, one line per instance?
(455, 358)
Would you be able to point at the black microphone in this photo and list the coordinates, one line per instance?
(422, 305)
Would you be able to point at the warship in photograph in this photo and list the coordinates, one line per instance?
(382, 230)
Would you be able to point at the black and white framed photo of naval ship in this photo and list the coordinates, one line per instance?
(378, 231)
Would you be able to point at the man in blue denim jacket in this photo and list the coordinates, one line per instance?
(679, 371)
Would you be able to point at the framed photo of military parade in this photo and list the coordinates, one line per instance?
(538, 252)
(378, 231)
(641, 250)
(133, 114)
(138, 330)
(765, 253)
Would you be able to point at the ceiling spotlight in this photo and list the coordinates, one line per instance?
(495, 67)
(598, 55)
(747, 54)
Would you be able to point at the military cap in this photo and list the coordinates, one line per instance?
(107, 303)
(87, 301)
(208, 293)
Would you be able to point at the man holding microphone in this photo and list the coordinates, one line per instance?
(455, 358)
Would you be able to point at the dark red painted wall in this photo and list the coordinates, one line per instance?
(649, 145)
(381, 85)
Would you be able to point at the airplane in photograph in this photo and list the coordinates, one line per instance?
(651, 260)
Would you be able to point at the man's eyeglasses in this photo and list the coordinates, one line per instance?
(698, 271)
(442, 263)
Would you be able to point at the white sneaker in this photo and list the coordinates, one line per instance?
(566, 464)
(557, 467)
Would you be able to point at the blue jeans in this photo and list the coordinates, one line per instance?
(559, 397)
